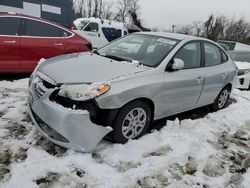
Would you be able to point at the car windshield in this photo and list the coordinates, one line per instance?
(242, 56)
(81, 24)
(146, 49)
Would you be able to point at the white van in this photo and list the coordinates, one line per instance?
(99, 31)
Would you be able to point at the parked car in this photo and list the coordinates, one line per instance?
(242, 61)
(24, 40)
(99, 31)
(233, 45)
(121, 91)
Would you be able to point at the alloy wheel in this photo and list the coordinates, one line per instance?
(134, 123)
(223, 98)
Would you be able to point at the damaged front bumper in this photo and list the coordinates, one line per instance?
(65, 127)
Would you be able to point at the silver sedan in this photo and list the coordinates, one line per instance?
(120, 89)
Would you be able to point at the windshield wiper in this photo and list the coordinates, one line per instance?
(96, 52)
(117, 58)
(114, 57)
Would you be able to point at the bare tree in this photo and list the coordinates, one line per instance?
(134, 6)
(89, 4)
(95, 11)
(214, 27)
(238, 31)
(100, 8)
(134, 14)
(184, 29)
(78, 7)
(123, 7)
(106, 9)
(218, 27)
(198, 28)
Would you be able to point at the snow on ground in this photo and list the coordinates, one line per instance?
(213, 151)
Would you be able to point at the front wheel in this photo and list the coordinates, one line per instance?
(221, 100)
(132, 121)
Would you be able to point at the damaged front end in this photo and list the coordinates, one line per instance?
(68, 123)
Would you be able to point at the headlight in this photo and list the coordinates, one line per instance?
(83, 92)
(242, 71)
(32, 76)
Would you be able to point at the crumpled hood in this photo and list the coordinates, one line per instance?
(85, 68)
(242, 65)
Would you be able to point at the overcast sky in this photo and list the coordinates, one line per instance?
(164, 13)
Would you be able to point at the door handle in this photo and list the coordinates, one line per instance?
(199, 80)
(9, 41)
(58, 44)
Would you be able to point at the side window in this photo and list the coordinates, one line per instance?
(212, 54)
(111, 33)
(9, 25)
(191, 55)
(92, 27)
(223, 57)
(40, 29)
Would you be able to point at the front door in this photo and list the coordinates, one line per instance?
(183, 87)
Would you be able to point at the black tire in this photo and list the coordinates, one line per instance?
(218, 104)
(121, 120)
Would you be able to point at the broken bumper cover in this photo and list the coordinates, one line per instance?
(67, 128)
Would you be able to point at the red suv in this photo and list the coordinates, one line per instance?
(24, 40)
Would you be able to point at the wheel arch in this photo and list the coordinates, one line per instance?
(148, 101)
(229, 86)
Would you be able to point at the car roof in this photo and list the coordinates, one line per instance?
(32, 17)
(98, 20)
(171, 35)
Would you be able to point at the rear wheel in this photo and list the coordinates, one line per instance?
(132, 121)
(221, 100)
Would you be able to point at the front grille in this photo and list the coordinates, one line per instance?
(241, 81)
(39, 90)
(40, 87)
(48, 130)
(48, 85)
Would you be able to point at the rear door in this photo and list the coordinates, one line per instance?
(40, 40)
(9, 44)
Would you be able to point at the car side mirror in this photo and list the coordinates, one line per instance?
(178, 64)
